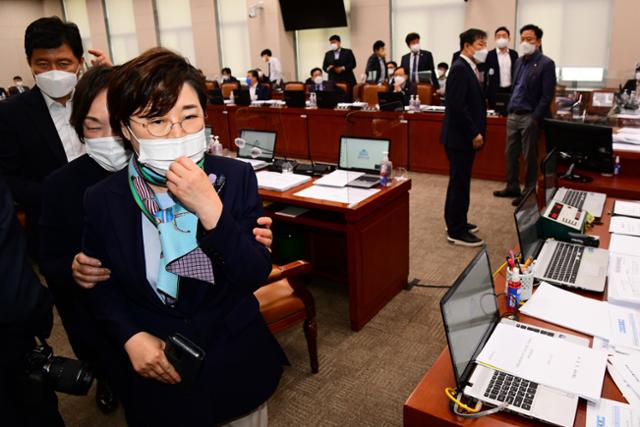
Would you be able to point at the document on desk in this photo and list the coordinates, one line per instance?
(623, 280)
(348, 195)
(631, 209)
(625, 225)
(626, 138)
(624, 326)
(612, 413)
(625, 372)
(624, 245)
(546, 360)
(277, 181)
(338, 178)
(568, 309)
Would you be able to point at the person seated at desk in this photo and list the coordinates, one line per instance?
(391, 68)
(18, 86)
(316, 82)
(632, 84)
(403, 85)
(227, 76)
(443, 67)
(257, 91)
(376, 70)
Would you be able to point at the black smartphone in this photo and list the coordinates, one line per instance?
(186, 357)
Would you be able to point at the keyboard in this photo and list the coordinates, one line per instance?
(565, 263)
(514, 391)
(575, 198)
(276, 166)
(369, 178)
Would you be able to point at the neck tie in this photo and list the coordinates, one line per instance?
(477, 73)
(269, 69)
(414, 73)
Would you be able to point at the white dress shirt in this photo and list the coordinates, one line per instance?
(274, 69)
(411, 70)
(252, 92)
(504, 61)
(60, 115)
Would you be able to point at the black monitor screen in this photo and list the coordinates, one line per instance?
(549, 168)
(298, 15)
(527, 218)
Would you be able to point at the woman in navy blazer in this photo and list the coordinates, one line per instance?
(159, 96)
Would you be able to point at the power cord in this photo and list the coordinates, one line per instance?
(470, 412)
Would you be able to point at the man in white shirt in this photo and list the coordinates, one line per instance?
(274, 68)
(499, 67)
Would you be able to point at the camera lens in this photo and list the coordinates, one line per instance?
(69, 376)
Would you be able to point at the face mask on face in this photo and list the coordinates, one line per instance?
(480, 55)
(56, 83)
(441, 73)
(225, 78)
(637, 75)
(398, 80)
(109, 152)
(334, 46)
(248, 80)
(318, 80)
(527, 48)
(501, 43)
(19, 83)
(415, 48)
(158, 154)
(391, 71)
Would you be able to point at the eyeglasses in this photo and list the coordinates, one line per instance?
(162, 127)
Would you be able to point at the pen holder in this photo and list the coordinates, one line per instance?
(526, 285)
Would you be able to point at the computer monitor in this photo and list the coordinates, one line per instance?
(527, 218)
(391, 101)
(469, 314)
(362, 154)
(294, 98)
(242, 97)
(326, 99)
(264, 140)
(582, 145)
(502, 103)
(550, 176)
(215, 97)
(424, 77)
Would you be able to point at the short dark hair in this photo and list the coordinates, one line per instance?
(314, 69)
(151, 84)
(443, 65)
(505, 29)
(89, 86)
(470, 36)
(334, 37)
(411, 37)
(537, 30)
(265, 52)
(394, 63)
(51, 33)
(17, 78)
(226, 70)
(378, 45)
(400, 68)
(254, 73)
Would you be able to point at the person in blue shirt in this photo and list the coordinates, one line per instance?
(533, 89)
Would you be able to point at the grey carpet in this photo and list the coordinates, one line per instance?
(365, 377)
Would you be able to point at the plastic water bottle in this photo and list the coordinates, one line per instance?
(412, 103)
(417, 103)
(313, 103)
(215, 147)
(616, 166)
(385, 170)
(513, 291)
(232, 98)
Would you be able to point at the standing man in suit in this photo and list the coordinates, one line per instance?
(533, 88)
(376, 70)
(339, 62)
(18, 86)
(499, 67)
(418, 60)
(463, 132)
(274, 68)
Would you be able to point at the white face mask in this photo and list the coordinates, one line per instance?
(415, 48)
(334, 46)
(318, 80)
(398, 80)
(441, 73)
(158, 154)
(56, 83)
(501, 43)
(637, 75)
(480, 55)
(527, 48)
(19, 84)
(109, 152)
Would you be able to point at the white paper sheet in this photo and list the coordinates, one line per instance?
(338, 178)
(625, 225)
(630, 130)
(623, 280)
(625, 245)
(626, 138)
(626, 208)
(625, 327)
(625, 372)
(568, 309)
(623, 146)
(536, 357)
(351, 196)
(277, 181)
(611, 413)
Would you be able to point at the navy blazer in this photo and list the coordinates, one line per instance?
(346, 60)
(492, 74)
(540, 84)
(465, 115)
(425, 63)
(263, 93)
(243, 362)
(373, 64)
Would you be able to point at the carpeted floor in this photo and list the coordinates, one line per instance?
(365, 377)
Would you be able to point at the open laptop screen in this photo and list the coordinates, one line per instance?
(549, 166)
(469, 313)
(264, 141)
(362, 154)
(527, 217)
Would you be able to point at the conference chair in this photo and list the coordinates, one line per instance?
(357, 92)
(285, 301)
(229, 87)
(345, 88)
(294, 86)
(370, 93)
(425, 93)
(211, 85)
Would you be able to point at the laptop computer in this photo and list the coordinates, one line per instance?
(560, 263)
(259, 148)
(584, 200)
(470, 314)
(362, 155)
(294, 98)
(391, 101)
(326, 99)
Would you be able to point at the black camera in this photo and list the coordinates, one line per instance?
(59, 373)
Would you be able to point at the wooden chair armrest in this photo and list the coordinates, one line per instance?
(288, 270)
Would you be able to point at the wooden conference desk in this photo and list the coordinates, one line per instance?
(428, 405)
(366, 246)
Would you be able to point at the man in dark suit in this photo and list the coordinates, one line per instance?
(534, 84)
(376, 70)
(316, 82)
(227, 76)
(18, 86)
(418, 60)
(339, 62)
(26, 312)
(257, 91)
(402, 84)
(499, 67)
(463, 131)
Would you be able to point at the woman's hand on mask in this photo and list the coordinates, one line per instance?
(189, 183)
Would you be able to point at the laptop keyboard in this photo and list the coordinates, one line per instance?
(515, 391)
(368, 178)
(575, 198)
(565, 263)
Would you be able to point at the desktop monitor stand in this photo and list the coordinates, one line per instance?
(574, 177)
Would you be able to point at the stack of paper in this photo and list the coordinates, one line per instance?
(625, 225)
(338, 178)
(627, 136)
(624, 245)
(255, 163)
(631, 209)
(624, 328)
(611, 413)
(624, 279)
(625, 372)
(277, 181)
(348, 195)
